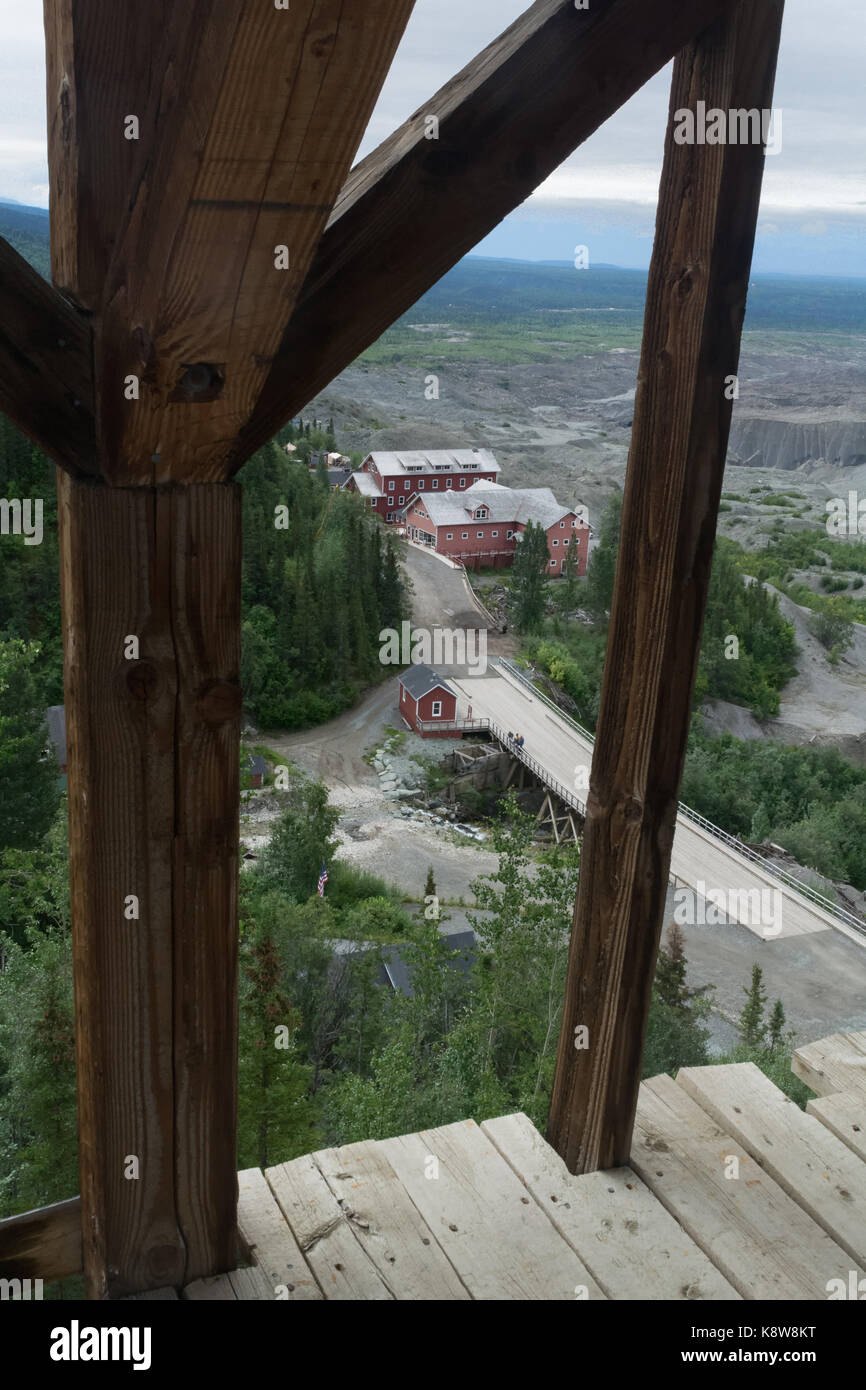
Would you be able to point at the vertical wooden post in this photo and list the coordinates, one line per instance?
(150, 581)
(708, 207)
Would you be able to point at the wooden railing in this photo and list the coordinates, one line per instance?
(43, 1244)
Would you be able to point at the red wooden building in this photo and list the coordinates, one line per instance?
(386, 481)
(483, 526)
(425, 698)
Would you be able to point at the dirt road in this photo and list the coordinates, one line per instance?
(382, 841)
(821, 979)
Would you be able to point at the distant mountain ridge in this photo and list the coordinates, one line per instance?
(483, 288)
(26, 229)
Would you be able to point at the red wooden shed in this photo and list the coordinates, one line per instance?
(425, 698)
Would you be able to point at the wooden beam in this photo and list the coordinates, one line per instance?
(46, 365)
(248, 119)
(416, 205)
(708, 207)
(42, 1244)
(101, 66)
(150, 582)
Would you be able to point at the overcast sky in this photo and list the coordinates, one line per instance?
(813, 216)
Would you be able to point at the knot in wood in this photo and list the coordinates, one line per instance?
(321, 47)
(633, 809)
(142, 680)
(163, 1263)
(200, 382)
(685, 284)
(218, 702)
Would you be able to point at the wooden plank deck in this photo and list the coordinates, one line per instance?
(490, 1212)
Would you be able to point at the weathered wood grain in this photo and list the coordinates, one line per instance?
(630, 1242)
(249, 117)
(696, 298)
(205, 625)
(101, 66)
(271, 1241)
(341, 1265)
(387, 1223)
(845, 1115)
(156, 996)
(836, 1063)
(759, 1237)
(496, 1237)
(412, 208)
(115, 564)
(42, 1244)
(46, 365)
(814, 1167)
(217, 1288)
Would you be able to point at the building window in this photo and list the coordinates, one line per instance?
(494, 533)
(464, 535)
(462, 482)
(437, 709)
(390, 484)
(556, 542)
(481, 514)
(565, 542)
(435, 482)
(420, 484)
(561, 525)
(510, 536)
(400, 501)
(450, 536)
(553, 564)
(449, 482)
(390, 516)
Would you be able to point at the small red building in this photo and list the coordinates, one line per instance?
(426, 698)
(386, 481)
(483, 526)
(254, 771)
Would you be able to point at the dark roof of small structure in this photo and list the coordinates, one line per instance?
(420, 680)
(255, 764)
(398, 973)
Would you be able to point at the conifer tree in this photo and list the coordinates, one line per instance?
(671, 968)
(529, 578)
(274, 1110)
(752, 1024)
(602, 566)
(776, 1027)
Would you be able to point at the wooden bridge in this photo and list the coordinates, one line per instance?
(559, 752)
(216, 261)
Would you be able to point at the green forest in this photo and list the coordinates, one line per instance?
(320, 581)
(328, 1053)
(811, 801)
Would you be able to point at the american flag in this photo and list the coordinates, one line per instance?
(323, 879)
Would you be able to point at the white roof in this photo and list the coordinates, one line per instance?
(436, 461)
(504, 504)
(366, 485)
